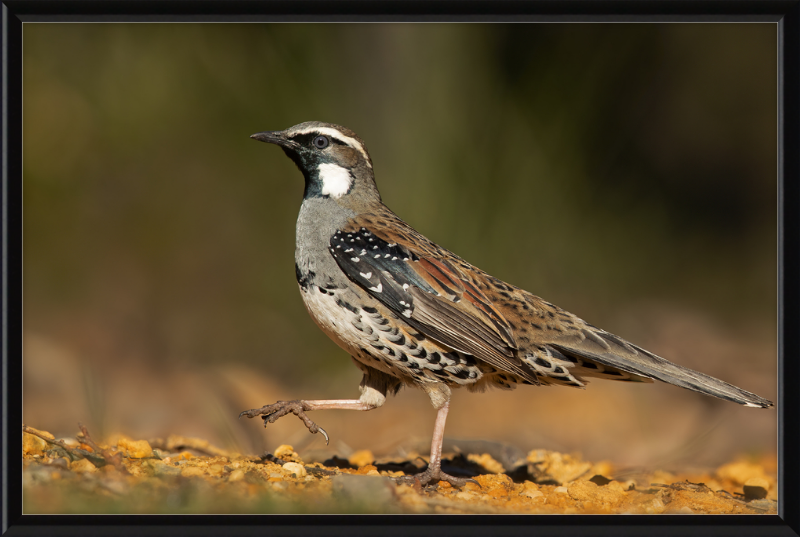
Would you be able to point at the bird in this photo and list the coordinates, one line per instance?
(411, 313)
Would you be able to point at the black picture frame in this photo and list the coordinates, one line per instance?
(785, 13)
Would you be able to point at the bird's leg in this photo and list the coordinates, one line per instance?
(298, 407)
(434, 471)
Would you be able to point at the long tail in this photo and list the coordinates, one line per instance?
(619, 354)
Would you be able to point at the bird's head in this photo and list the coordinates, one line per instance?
(333, 159)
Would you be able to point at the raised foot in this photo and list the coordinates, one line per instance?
(271, 413)
(433, 476)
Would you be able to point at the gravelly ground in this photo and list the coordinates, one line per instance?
(184, 475)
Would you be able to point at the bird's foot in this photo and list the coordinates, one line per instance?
(271, 413)
(433, 476)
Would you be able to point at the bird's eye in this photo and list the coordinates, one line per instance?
(321, 142)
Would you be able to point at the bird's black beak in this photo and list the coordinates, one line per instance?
(274, 137)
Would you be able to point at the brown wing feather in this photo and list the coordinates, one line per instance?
(447, 306)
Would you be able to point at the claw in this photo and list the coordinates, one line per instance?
(431, 476)
(266, 417)
(271, 413)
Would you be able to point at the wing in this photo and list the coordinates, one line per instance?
(403, 271)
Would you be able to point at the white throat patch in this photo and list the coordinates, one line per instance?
(336, 180)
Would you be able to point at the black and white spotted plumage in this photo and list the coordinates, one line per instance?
(376, 339)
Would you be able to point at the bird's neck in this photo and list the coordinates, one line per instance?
(318, 220)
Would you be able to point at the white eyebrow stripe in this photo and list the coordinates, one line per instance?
(333, 133)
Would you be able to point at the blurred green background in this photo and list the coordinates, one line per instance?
(626, 172)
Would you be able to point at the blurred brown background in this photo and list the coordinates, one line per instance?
(626, 172)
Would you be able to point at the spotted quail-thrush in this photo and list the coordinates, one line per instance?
(411, 313)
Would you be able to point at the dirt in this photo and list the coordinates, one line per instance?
(188, 475)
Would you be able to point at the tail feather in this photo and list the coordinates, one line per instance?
(638, 361)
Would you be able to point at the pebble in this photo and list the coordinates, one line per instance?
(136, 449)
(236, 475)
(756, 488)
(762, 505)
(294, 468)
(590, 491)
(530, 493)
(286, 452)
(32, 444)
(82, 466)
(162, 468)
(368, 470)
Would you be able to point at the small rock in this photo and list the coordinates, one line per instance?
(32, 444)
(136, 449)
(82, 466)
(236, 475)
(362, 457)
(531, 490)
(285, 452)
(491, 481)
(72, 443)
(294, 468)
(762, 505)
(162, 468)
(560, 490)
(616, 486)
(368, 470)
(756, 488)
